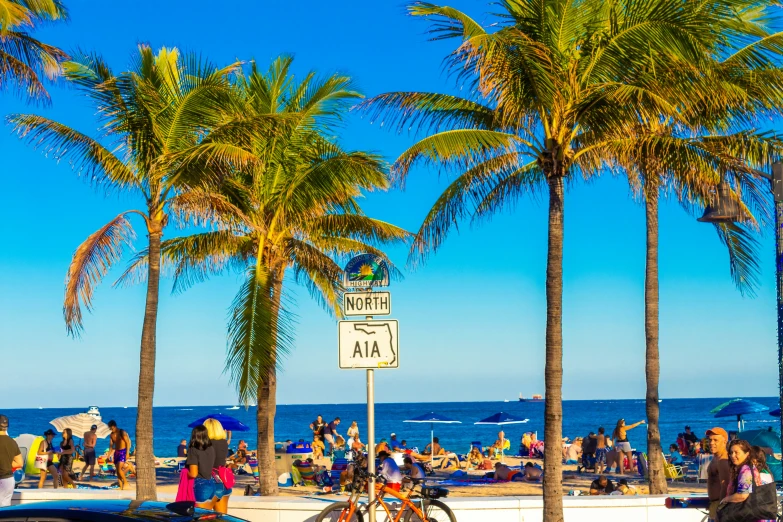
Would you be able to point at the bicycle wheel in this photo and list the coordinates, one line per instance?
(338, 512)
(434, 510)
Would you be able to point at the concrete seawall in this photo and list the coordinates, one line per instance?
(466, 509)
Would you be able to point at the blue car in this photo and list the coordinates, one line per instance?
(110, 511)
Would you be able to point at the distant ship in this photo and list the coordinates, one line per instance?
(233, 408)
(94, 412)
(534, 398)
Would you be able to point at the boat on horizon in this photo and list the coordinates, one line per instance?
(233, 408)
(534, 398)
(94, 412)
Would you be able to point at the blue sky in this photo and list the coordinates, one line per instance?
(471, 320)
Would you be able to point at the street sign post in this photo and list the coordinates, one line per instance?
(368, 344)
(366, 303)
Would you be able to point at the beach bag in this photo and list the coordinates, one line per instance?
(761, 504)
(42, 462)
(226, 476)
(322, 478)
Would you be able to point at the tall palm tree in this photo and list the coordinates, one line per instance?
(162, 106)
(714, 142)
(23, 58)
(551, 85)
(288, 205)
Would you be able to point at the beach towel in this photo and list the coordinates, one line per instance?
(185, 488)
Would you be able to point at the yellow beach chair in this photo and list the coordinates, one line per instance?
(672, 472)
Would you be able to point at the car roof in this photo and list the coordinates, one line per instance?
(101, 510)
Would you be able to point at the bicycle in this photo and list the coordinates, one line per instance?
(421, 506)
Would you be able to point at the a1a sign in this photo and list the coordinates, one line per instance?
(368, 344)
(366, 303)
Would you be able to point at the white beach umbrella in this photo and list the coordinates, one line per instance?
(79, 424)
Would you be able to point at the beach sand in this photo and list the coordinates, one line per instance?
(168, 479)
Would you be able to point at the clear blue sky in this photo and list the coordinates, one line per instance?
(471, 321)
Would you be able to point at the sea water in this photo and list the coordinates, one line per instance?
(292, 421)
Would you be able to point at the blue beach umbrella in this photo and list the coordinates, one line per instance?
(738, 408)
(432, 418)
(764, 438)
(501, 419)
(228, 423)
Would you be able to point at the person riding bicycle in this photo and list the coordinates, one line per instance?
(390, 471)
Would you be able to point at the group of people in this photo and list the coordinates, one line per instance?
(66, 452)
(207, 466)
(736, 469)
(600, 452)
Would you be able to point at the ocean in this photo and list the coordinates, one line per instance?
(292, 421)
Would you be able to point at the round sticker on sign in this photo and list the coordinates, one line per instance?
(366, 270)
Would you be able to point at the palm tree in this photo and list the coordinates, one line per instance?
(550, 87)
(288, 205)
(714, 142)
(162, 106)
(23, 58)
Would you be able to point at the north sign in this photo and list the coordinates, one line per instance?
(368, 344)
(366, 303)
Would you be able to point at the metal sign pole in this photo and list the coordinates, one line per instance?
(371, 439)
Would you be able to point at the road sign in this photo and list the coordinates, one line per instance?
(368, 344)
(366, 270)
(366, 303)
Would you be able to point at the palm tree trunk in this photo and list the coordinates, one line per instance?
(652, 364)
(267, 406)
(145, 455)
(553, 407)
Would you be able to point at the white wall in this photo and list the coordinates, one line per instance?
(466, 509)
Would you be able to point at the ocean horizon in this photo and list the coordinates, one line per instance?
(292, 420)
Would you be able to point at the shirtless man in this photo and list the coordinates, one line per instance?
(90, 438)
(600, 450)
(120, 444)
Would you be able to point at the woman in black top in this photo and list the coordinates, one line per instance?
(201, 458)
(67, 450)
(218, 437)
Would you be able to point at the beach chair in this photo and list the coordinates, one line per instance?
(671, 471)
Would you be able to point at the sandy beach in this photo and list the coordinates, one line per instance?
(168, 479)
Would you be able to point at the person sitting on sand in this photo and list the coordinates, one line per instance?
(624, 489)
(573, 453)
(601, 486)
(182, 449)
(533, 473)
(433, 448)
(504, 473)
(474, 459)
(390, 471)
(238, 459)
(382, 446)
(357, 446)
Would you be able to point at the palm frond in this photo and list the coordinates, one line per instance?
(743, 249)
(91, 261)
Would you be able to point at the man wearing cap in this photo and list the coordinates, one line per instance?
(394, 443)
(718, 472)
(90, 438)
(10, 459)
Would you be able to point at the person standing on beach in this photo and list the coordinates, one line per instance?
(330, 433)
(318, 426)
(200, 462)
(218, 436)
(90, 439)
(622, 445)
(10, 459)
(120, 444)
(67, 450)
(45, 448)
(718, 471)
(600, 450)
(353, 430)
